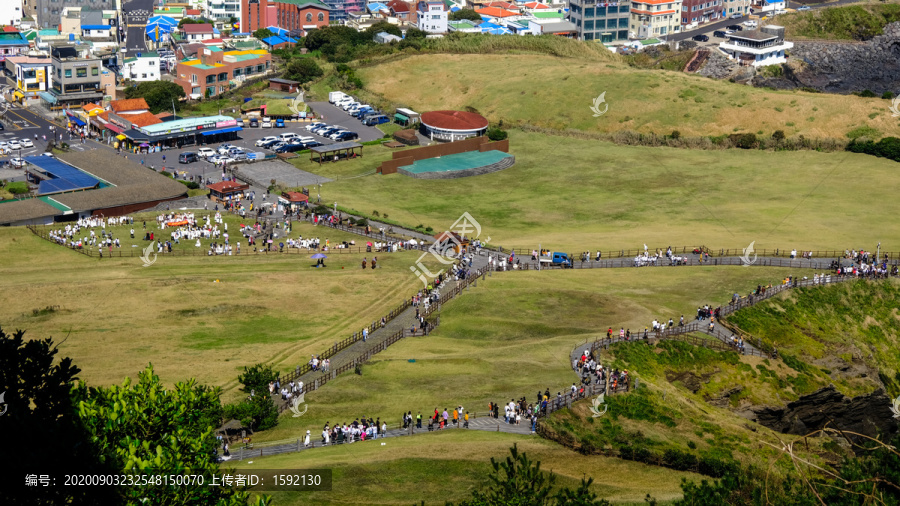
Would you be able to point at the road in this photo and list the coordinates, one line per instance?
(137, 12)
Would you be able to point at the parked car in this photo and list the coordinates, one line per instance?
(279, 123)
(254, 122)
(287, 136)
(736, 15)
(376, 120)
(240, 122)
(803, 8)
(328, 132)
(736, 28)
(270, 144)
(750, 24)
(18, 162)
(265, 140)
(225, 148)
(720, 34)
(14, 144)
(362, 111)
(321, 129)
(314, 125)
(266, 124)
(187, 157)
(336, 96)
(239, 156)
(335, 135)
(312, 144)
(206, 152)
(220, 159)
(289, 148)
(26, 143)
(346, 136)
(700, 38)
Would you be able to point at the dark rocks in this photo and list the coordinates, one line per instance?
(866, 414)
(723, 400)
(844, 67)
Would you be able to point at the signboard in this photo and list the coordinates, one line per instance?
(226, 123)
(40, 75)
(119, 121)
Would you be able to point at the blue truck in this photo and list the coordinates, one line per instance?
(556, 259)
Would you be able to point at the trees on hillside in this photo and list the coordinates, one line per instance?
(462, 14)
(303, 69)
(160, 95)
(263, 33)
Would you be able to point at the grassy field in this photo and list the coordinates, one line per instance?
(514, 88)
(447, 466)
(579, 195)
(114, 316)
(511, 336)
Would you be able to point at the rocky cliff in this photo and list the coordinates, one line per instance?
(843, 67)
(867, 414)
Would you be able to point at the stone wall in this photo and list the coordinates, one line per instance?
(837, 67)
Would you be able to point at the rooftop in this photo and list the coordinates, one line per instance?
(754, 35)
(12, 39)
(197, 28)
(128, 104)
(454, 120)
(185, 123)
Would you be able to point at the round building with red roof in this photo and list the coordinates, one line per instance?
(451, 126)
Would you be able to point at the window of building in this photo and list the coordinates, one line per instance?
(210, 79)
(589, 24)
(623, 22)
(600, 24)
(211, 90)
(309, 17)
(195, 90)
(29, 74)
(68, 72)
(623, 8)
(321, 17)
(588, 12)
(259, 68)
(143, 76)
(193, 78)
(33, 86)
(221, 89)
(81, 72)
(73, 88)
(95, 71)
(223, 76)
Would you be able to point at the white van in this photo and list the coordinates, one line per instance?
(287, 136)
(336, 96)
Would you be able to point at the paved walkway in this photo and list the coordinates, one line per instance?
(482, 423)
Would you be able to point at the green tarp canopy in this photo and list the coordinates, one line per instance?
(400, 117)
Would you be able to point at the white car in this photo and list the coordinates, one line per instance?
(206, 152)
(311, 126)
(803, 8)
(220, 159)
(4, 145)
(47, 154)
(225, 148)
(14, 144)
(751, 24)
(18, 162)
(736, 15)
(265, 140)
(26, 143)
(337, 134)
(266, 124)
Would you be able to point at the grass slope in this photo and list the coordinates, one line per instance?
(115, 316)
(447, 466)
(516, 89)
(841, 328)
(577, 195)
(854, 22)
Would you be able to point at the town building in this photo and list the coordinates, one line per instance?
(11, 12)
(12, 44)
(223, 9)
(732, 7)
(402, 11)
(142, 67)
(75, 78)
(452, 125)
(32, 75)
(295, 16)
(197, 32)
(757, 48)
(432, 16)
(772, 5)
(214, 71)
(605, 22)
(341, 9)
(655, 18)
(699, 12)
(49, 12)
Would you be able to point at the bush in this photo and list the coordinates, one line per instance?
(362, 222)
(17, 188)
(190, 184)
(744, 141)
(496, 134)
(887, 95)
(867, 94)
(778, 135)
(675, 135)
(679, 460)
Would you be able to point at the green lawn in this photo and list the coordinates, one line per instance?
(579, 195)
(447, 466)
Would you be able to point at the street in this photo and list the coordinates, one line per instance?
(137, 12)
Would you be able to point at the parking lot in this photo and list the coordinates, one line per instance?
(249, 135)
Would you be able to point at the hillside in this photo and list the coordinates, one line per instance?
(557, 93)
(850, 330)
(854, 22)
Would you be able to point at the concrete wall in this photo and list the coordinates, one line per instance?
(453, 174)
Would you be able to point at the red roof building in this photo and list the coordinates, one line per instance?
(453, 125)
(226, 189)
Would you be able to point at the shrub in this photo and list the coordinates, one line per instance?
(778, 135)
(17, 188)
(190, 184)
(887, 95)
(867, 94)
(744, 141)
(362, 222)
(496, 134)
(676, 134)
